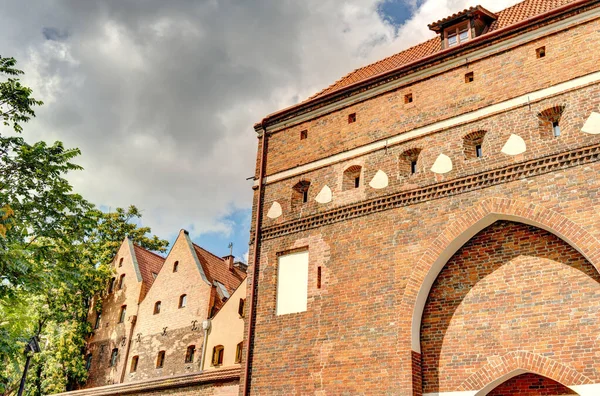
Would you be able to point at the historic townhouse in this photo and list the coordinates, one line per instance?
(429, 224)
(168, 322)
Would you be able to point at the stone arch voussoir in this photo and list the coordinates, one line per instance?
(501, 368)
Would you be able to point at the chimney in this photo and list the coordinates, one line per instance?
(229, 262)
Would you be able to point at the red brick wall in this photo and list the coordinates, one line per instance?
(355, 336)
(531, 385)
(512, 287)
(497, 78)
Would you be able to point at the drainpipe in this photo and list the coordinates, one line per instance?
(206, 328)
(257, 219)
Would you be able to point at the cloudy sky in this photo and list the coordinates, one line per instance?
(161, 96)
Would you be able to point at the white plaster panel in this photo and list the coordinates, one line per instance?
(443, 164)
(292, 283)
(592, 125)
(325, 195)
(380, 180)
(275, 211)
(586, 390)
(515, 145)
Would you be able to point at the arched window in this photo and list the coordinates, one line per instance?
(113, 357)
(182, 301)
(550, 122)
(352, 178)
(121, 281)
(189, 354)
(122, 313)
(98, 320)
(473, 144)
(157, 307)
(300, 193)
(121, 262)
(408, 162)
(238, 352)
(175, 266)
(88, 361)
(111, 285)
(134, 364)
(160, 359)
(217, 357)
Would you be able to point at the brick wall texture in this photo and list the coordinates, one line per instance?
(523, 293)
(531, 385)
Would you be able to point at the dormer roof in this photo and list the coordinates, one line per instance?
(477, 11)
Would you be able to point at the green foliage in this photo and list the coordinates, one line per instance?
(55, 252)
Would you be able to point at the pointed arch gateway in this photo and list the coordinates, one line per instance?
(461, 230)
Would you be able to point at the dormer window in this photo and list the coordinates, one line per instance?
(458, 34)
(463, 26)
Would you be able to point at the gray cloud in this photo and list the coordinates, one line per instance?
(161, 95)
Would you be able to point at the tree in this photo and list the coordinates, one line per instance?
(55, 250)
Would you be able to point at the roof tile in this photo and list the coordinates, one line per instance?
(148, 263)
(507, 17)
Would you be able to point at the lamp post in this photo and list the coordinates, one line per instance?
(32, 347)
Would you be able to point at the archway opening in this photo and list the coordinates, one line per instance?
(530, 384)
(511, 287)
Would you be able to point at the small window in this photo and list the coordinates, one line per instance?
(157, 307)
(241, 307)
(160, 359)
(88, 361)
(351, 178)
(217, 357)
(550, 122)
(113, 357)
(469, 77)
(175, 266)
(408, 162)
(238, 352)
(182, 301)
(556, 129)
(122, 282)
(318, 277)
(154, 275)
(300, 193)
(134, 364)
(413, 167)
(189, 354)
(98, 321)
(540, 52)
(351, 118)
(408, 98)
(121, 262)
(122, 314)
(473, 144)
(111, 285)
(304, 134)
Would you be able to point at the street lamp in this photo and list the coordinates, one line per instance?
(32, 347)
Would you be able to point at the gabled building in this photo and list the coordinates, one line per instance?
(135, 270)
(150, 326)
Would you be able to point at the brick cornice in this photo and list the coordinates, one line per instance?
(449, 188)
(162, 383)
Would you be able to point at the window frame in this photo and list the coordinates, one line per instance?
(189, 354)
(239, 349)
(160, 359)
(217, 357)
(176, 266)
(114, 357)
(122, 313)
(157, 306)
(98, 321)
(182, 301)
(134, 363)
(456, 31)
(241, 307)
(121, 282)
(88, 361)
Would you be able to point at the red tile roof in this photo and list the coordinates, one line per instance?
(148, 263)
(436, 26)
(506, 18)
(216, 269)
